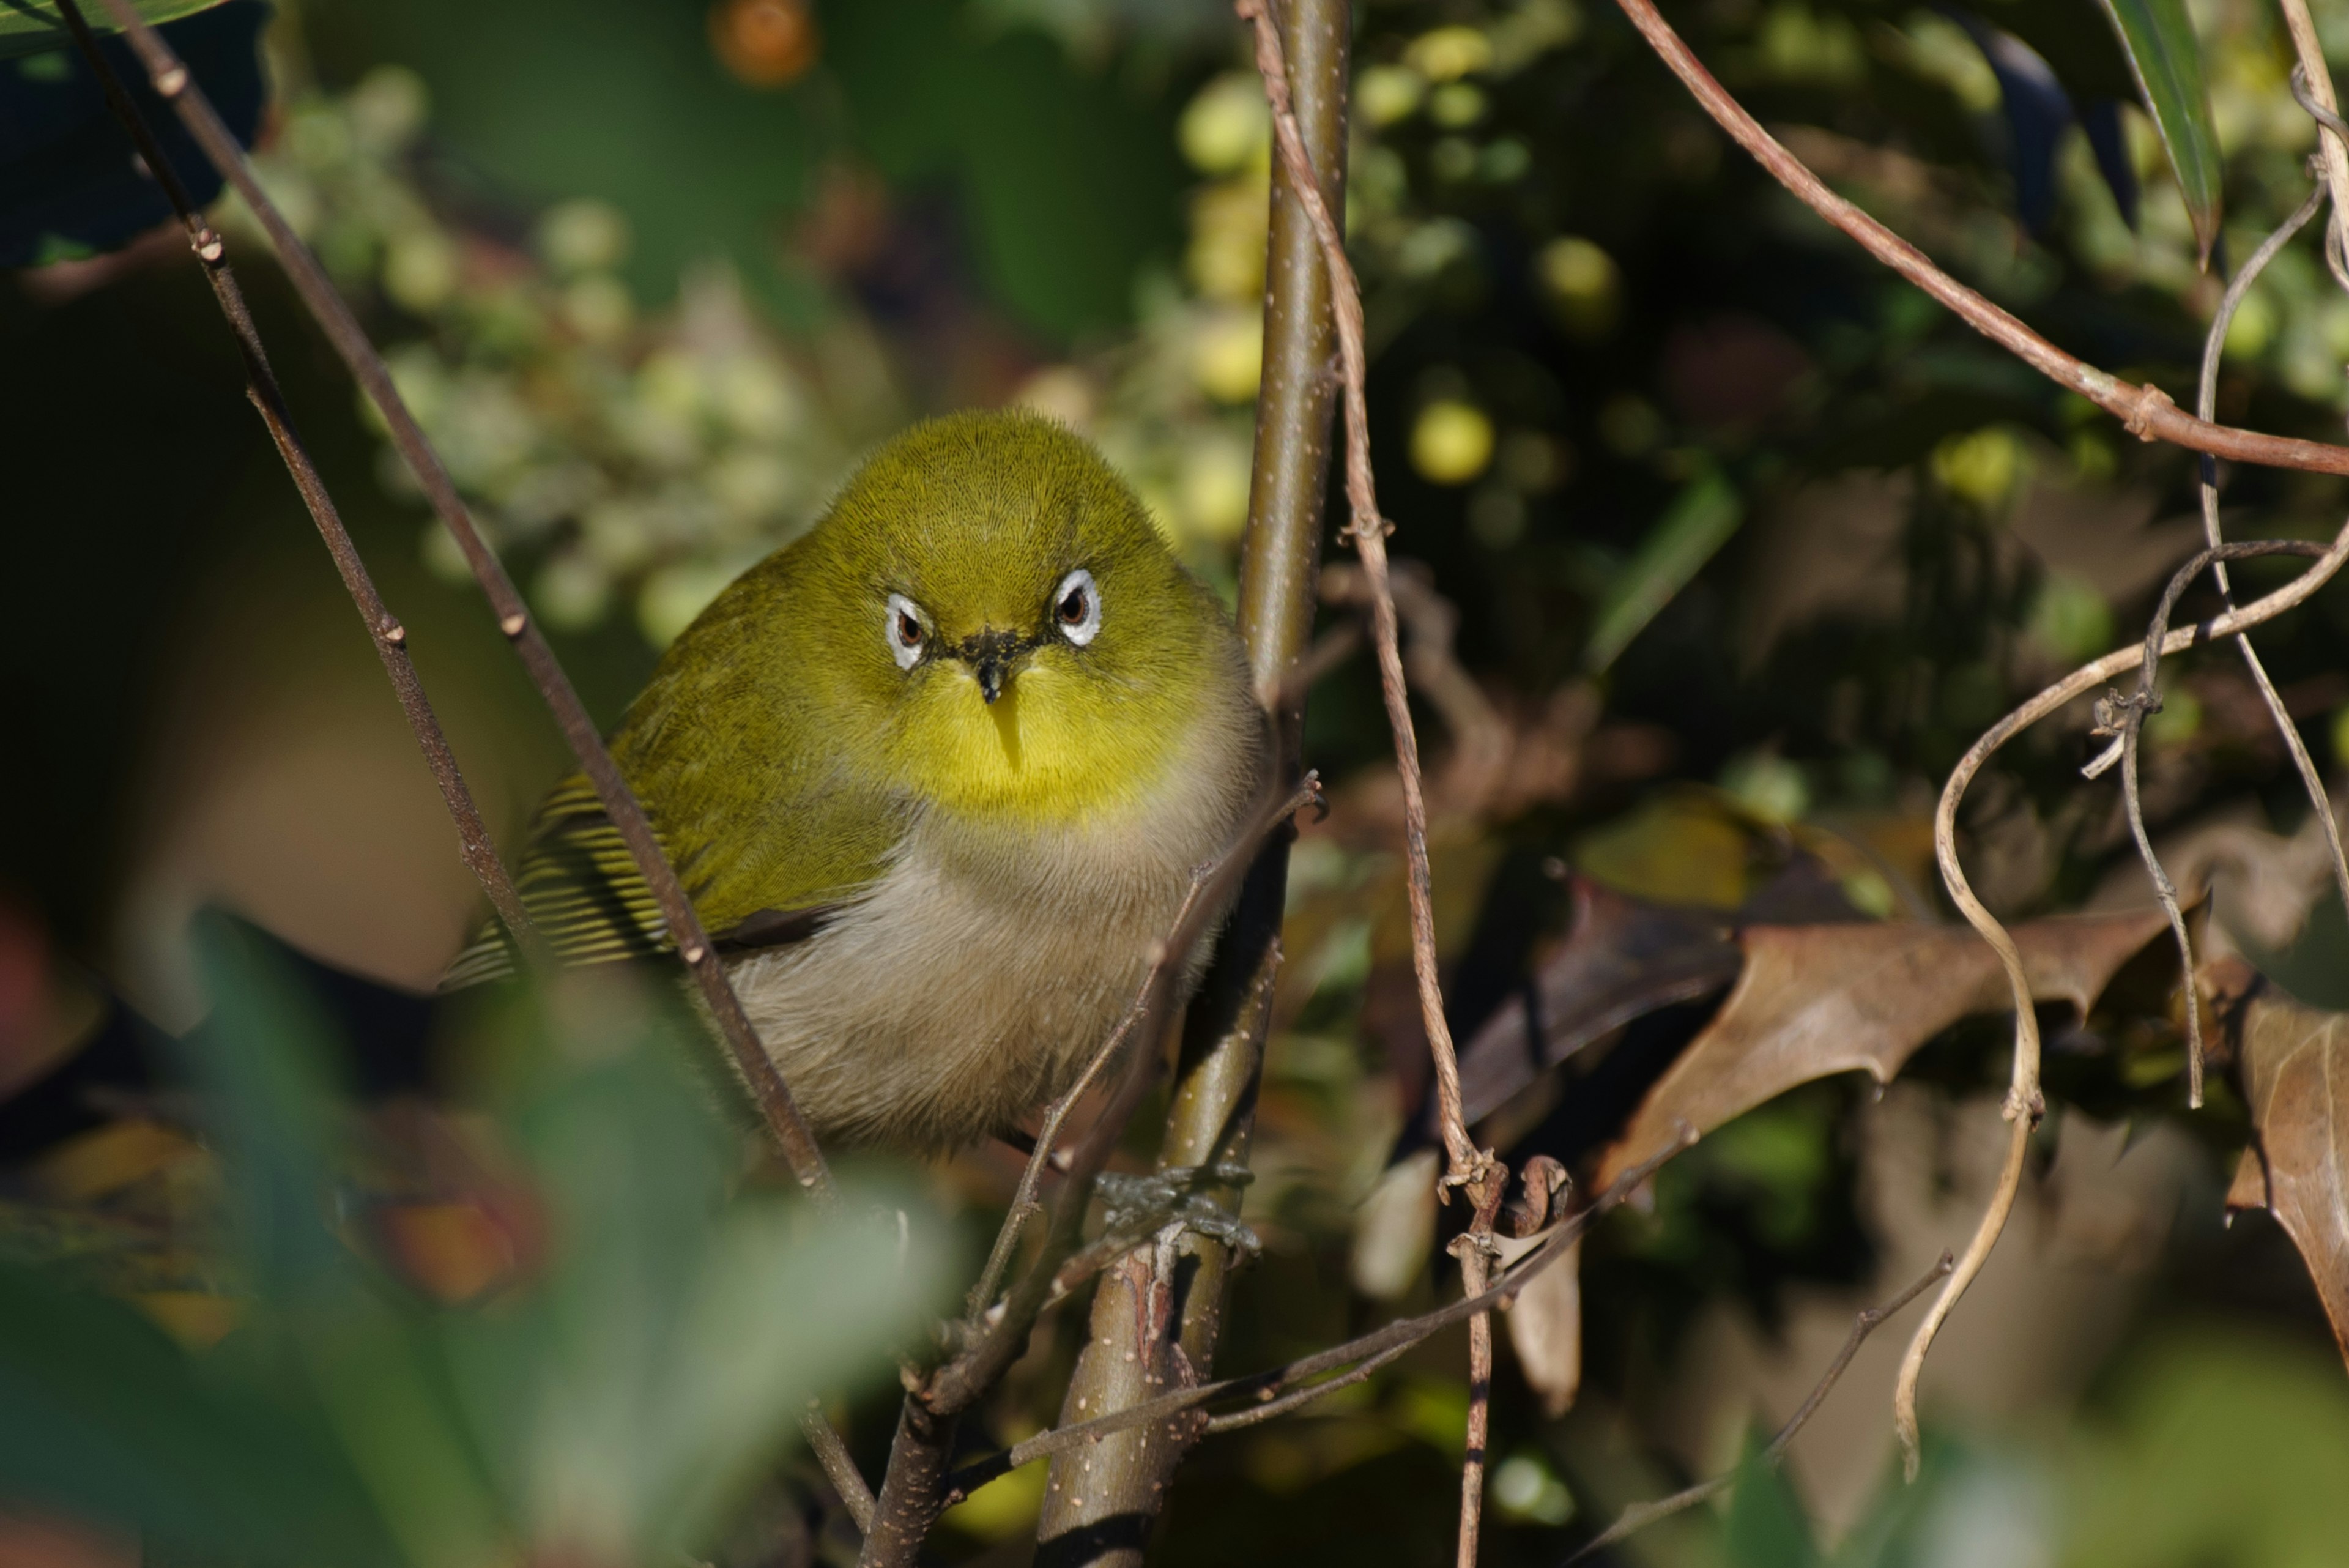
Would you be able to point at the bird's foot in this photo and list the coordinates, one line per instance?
(1139, 1206)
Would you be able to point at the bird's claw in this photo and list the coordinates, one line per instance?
(1139, 1206)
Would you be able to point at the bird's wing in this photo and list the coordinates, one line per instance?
(591, 905)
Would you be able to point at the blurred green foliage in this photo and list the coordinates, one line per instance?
(1686, 465)
(609, 1396)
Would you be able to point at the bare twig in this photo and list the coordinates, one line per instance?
(2147, 412)
(1266, 1385)
(2123, 718)
(1368, 531)
(839, 1464)
(2205, 401)
(390, 638)
(172, 82)
(1641, 1515)
(2024, 1104)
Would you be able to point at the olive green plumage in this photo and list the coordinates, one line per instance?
(934, 776)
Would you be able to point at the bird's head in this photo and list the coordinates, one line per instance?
(998, 603)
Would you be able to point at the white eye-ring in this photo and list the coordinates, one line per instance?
(1076, 607)
(906, 635)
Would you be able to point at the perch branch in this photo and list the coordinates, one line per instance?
(1266, 1386)
(1139, 1325)
(1641, 1515)
(2146, 410)
(986, 1342)
(173, 84)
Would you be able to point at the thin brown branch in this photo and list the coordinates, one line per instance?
(1368, 531)
(1471, 1169)
(172, 82)
(2125, 716)
(390, 638)
(2205, 402)
(2146, 410)
(839, 1464)
(1265, 1386)
(1641, 1515)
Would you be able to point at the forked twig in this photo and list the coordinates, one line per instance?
(1641, 1515)
(2123, 716)
(172, 83)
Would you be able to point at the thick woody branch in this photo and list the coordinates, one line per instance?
(2146, 410)
(1339, 1365)
(390, 636)
(1142, 1326)
(171, 81)
(992, 1336)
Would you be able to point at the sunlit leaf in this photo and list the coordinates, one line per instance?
(1699, 521)
(1816, 999)
(2158, 38)
(2293, 1059)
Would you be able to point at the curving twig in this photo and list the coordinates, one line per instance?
(2123, 717)
(172, 83)
(2024, 1104)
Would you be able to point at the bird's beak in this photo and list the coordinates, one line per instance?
(994, 658)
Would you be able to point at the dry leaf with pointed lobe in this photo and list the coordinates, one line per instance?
(1816, 999)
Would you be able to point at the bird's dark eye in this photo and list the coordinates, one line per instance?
(1076, 606)
(905, 634)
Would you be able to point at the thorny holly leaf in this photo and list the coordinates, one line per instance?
(1816, 999)
(2293, 1062)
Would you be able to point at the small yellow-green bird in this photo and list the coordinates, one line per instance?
(937, 777)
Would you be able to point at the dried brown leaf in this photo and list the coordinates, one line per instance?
(1816, 999)
(1546, 1331)
(1621, 958)
(2294, 1062)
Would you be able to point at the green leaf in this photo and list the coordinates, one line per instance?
(35, 27)
(2159, 38)
(1767, 1527)
(104, 1417)
(1698, 523)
